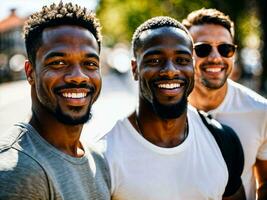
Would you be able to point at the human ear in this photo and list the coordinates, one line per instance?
(134, 69)
(29, 72)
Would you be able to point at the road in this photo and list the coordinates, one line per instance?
(117, 99)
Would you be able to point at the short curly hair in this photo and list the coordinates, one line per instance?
(55, 15)
(154, 23)
(209, 16)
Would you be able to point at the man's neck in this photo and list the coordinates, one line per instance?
(164, 133)
(65, 138)
(207, 99)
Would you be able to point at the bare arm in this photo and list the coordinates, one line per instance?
(239, 195)
(261, 176)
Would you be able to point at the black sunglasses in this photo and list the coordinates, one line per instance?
(226, 50)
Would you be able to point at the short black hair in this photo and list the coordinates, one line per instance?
(55, 15)
(209, 16)
(154, 23)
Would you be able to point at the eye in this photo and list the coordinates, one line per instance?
(57, 63)
(183, 61)
(91, 64)
(153, 61)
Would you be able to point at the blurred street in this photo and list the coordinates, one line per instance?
(117, 99)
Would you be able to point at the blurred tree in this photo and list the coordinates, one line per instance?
(121, 17)
(262, 5)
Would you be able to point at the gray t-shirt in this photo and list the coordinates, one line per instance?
(31, 168)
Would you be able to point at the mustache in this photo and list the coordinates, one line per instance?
(72, 85)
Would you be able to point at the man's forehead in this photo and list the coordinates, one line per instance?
(68, 34)
(165, 36)
(66, 30)
(164, 30)
(210, 31)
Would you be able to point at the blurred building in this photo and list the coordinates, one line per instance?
(12, 48)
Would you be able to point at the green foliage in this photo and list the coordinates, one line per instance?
(120, 18)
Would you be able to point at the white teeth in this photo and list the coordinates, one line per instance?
(169, 86)
(74, 95)
(213, 69)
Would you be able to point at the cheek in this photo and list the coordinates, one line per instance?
(47, 81)
(96, 79)
(189, 71)
(230, 63)
(198, 62)
(145, 90)
(197, 67)
(145, 78)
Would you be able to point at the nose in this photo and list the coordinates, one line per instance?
(169, 69)
(76, 75)
(214, 54)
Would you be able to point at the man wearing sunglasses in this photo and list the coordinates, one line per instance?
(227, 101)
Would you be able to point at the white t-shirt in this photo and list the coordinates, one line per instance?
(141, 170)
(246, 112)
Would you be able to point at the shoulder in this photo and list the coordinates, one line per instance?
(21, 176)
(116, 133)
(247, 95)
(100, 163)
(223, 134)
(21, 139)
(96, 151)
(11, 137)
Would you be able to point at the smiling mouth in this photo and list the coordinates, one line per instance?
(169, 86)
(214, 69)
(73, 95)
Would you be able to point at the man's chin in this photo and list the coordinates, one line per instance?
(71, 120)
(74, 121)
(170, 111)
(214, 84)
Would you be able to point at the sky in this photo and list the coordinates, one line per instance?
(26, 7)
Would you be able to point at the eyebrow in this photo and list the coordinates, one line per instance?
(183, 52)
(152, 52)
(60, 54)
(92, 55)
(54, 54)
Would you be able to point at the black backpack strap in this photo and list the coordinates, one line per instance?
(231, 150)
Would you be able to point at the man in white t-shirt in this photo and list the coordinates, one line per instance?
(163, 150)
(227, 101)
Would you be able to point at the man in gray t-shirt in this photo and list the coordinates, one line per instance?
(45, 158)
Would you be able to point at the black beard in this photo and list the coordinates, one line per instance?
(68, 120)
(170, 111)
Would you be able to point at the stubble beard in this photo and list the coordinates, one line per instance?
(214, 86)
(64, 118)
(68, 120)
(172, 111)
